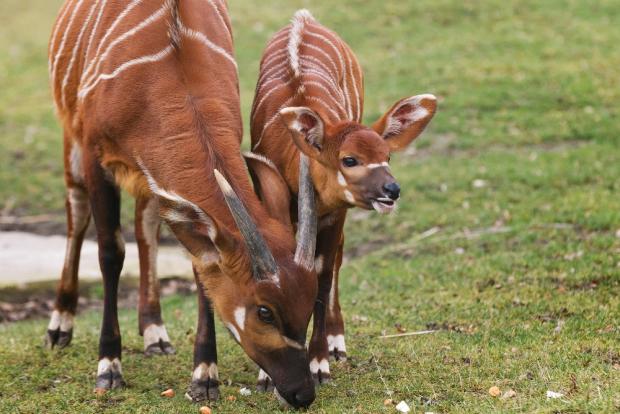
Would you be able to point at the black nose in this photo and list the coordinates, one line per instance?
(392, 190)
(305, 397)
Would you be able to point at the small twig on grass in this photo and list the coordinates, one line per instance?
(408, 334)
(387, 390)
(427, 233)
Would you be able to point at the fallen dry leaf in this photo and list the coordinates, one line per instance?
(388, 401)
(204, 410)
(169, 393)
(100, 391)
(494, 391)
(231, 398)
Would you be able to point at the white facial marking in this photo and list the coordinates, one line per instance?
(292, 343)
(234, 331)
(106, 365)
(336, 342)
(341, 180)
(349, 196)
(240, 317)
(263, 376)
(378, 165)
(153, 334)
(316, 366)
(203, 372)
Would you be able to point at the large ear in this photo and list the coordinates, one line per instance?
(307, 129)
(270, 187)
(406, 120)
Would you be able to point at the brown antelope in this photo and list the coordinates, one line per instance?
(310, 87)
(147, 95)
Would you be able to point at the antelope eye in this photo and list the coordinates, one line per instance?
(265, 314)
(349, 162)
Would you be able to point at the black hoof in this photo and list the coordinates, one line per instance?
(109, 380)
(336, 355)
(159, 348)
(202, 390)
(321, 378)
(58, 338)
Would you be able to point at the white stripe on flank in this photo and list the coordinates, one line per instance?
(240, 317)
(119, 18)
(271, 121)
(327, 91)
(331, 44)
(193, 34)
(295, 38)
(272, 71)
(310, 69)
(269, 93)
(324, 53)
(59, 22)
(145, 23)
(134, 62)
(325, 105)
(92, 34)
(76, 47)
(61, 48)
(222, 20)
(355, 90)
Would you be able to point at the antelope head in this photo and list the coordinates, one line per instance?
(262, 283)
(357, 157)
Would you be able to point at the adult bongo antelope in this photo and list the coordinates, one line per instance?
(310, 87)
(147, 94)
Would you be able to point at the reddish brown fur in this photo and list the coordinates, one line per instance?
(161, 128)
(322, 114)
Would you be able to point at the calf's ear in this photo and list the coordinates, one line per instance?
(406, 120)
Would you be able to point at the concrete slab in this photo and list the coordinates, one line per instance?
(25, 258)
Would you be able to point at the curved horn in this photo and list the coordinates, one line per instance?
(306, 216)
(263, 263)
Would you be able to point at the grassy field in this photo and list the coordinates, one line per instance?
(507, 239)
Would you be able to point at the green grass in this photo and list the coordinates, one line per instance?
(529, 96)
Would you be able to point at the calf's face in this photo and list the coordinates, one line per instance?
(357, 157)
